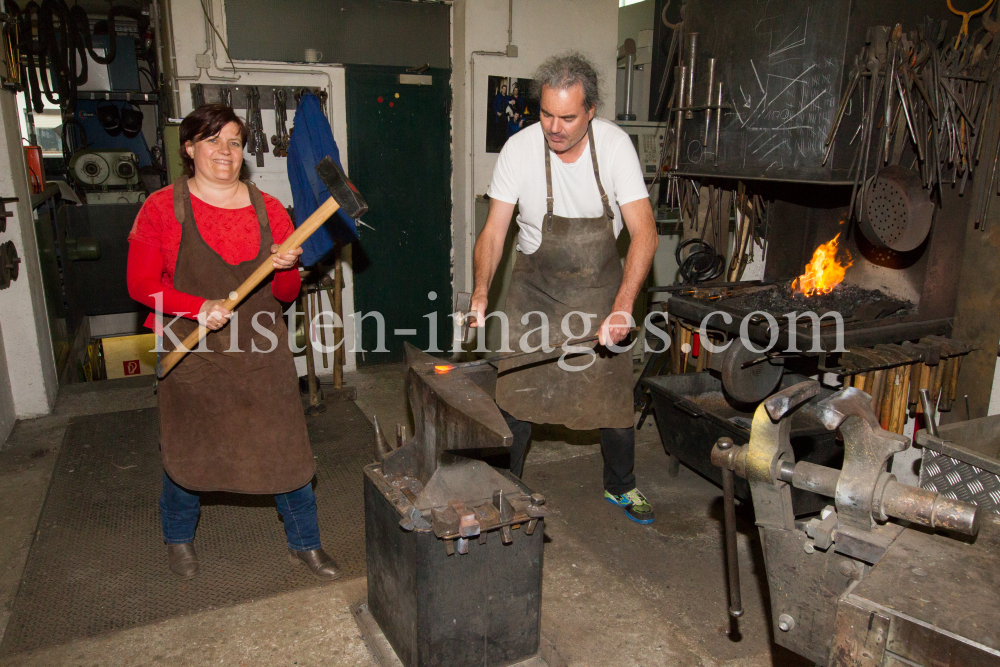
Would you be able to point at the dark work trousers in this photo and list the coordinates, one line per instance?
(617, 446)
(179, 509)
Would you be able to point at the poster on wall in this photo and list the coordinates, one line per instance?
(510, 109)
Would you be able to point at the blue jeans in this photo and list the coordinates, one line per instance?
(179, 510)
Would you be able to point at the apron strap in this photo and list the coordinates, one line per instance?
(608, 211)
(180, 197)
(257, 200)
(549, 201)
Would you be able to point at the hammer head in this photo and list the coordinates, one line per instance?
(341, 189)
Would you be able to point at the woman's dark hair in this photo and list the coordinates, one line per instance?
(204, 122)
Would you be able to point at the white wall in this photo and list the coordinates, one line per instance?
(7, 414)
(540, 30)
(634, 18)
(30, 364)
(189, 40)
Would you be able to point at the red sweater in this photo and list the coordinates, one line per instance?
(233, 233)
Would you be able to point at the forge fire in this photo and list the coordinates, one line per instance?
(824, 271)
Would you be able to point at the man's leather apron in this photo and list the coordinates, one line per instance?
(576, 268)
(232, 421)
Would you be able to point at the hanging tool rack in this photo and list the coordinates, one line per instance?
(210, 93)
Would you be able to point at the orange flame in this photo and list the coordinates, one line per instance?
(824, 272)
(441, 370)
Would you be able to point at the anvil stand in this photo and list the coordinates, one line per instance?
(454, 546)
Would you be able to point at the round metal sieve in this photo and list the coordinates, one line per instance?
(898, 211)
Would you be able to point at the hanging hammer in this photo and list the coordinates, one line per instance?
(343, 196)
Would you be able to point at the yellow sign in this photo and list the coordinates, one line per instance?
(129, 355)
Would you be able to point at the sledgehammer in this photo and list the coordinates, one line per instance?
(343, 196)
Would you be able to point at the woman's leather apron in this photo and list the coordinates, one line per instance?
(576, 268)
(232, 421)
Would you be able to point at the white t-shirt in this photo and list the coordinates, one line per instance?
(519, 177)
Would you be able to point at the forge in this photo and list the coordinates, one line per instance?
(896, 308)
(854, 302)
(454, 546)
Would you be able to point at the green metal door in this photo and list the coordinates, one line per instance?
(399, 156)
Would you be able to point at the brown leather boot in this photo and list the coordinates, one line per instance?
(318, 562)
(183, 560)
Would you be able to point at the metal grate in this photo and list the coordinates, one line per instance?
(959, 480)
(98, 563)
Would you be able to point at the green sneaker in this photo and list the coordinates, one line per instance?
(636, 507)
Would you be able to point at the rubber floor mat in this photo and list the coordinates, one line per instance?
(98, 562)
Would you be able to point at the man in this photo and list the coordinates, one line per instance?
(515, 112)
(562, 171)
(499, 126)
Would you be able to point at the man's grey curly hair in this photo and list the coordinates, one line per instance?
(565, 71)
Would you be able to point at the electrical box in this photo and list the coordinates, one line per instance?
(647, 138)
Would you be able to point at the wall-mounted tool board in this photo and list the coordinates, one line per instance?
(781, 64)
(212, 94)
(784, 65)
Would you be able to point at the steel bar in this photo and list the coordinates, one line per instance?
(515, 355)
(930, 421)
(958, 104)
(338, 309)
(318, 309)
(718, 120)
(681, 73)
(708, 100)
(729, 513)
(692, 56)
(909, 117)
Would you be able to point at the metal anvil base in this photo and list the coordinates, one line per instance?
(440, 587)
(438, 607)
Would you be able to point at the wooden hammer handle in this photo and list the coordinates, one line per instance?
(296, 239)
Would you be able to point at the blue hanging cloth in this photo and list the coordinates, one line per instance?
(311, 141)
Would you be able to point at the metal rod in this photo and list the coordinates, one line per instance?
(681, 73)
(338, 308)
(692, 56)
(701, 107)
(318, 309)
(729, 515)
(629, 77)
(515, 355)
(930, 423)
(310, 361)
(708, 99)
(718, 120)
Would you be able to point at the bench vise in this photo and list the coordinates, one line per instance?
(867, 583)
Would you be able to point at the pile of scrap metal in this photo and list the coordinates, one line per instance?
(853, 587)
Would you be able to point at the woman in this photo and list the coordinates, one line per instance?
(231, 417)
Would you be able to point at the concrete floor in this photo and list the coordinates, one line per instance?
(614, 593)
